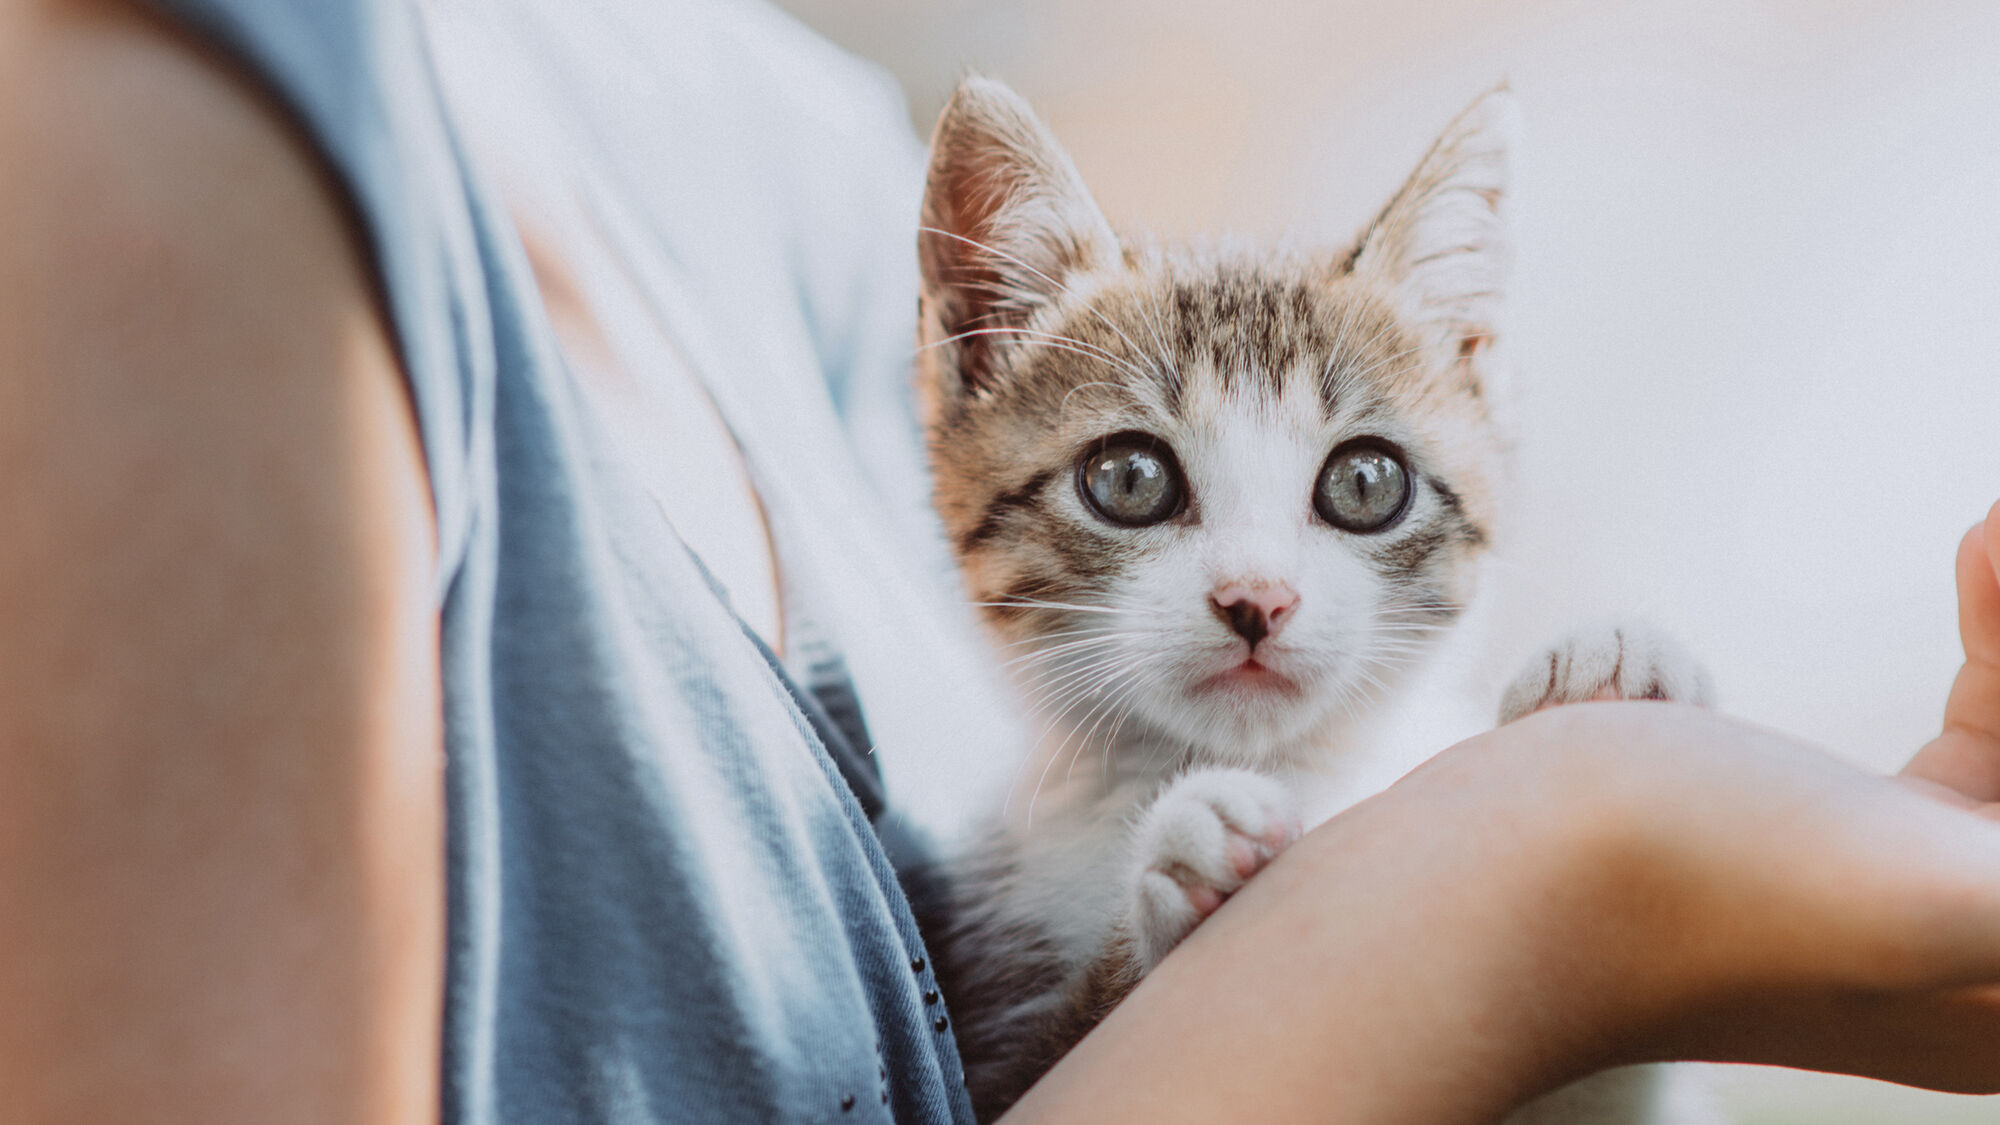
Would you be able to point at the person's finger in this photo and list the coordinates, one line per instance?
(1966, 757)
(1979, 590)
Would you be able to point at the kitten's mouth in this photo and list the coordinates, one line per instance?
(1249, 676)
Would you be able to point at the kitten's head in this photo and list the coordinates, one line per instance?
(1220, 497)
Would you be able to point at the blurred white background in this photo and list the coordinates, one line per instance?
(1759, 256)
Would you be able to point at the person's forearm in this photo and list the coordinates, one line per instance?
(220, 755)
(1341, 986)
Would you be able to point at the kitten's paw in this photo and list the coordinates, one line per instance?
(1609, 662)
(1203, 838)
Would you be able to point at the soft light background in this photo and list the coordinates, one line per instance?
(1759, 274)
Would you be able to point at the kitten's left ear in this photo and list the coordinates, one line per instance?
(1443, 241)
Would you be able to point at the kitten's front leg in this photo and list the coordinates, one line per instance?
(1201, 840)
(1020, 997)
(1607, 662)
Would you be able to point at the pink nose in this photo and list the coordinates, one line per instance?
(1255, 610)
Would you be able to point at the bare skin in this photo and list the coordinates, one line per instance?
(220, 789)
(220, 811)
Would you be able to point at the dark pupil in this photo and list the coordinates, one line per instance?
(1130, 484)
(1368, 474)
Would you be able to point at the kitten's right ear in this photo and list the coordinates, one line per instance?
(1006, 218)
(1443, 241)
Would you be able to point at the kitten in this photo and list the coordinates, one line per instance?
(1213, 506)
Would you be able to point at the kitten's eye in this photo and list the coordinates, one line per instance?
(1364, 487)
(1131, 480)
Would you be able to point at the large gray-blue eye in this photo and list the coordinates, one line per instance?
(1131, 480)
(1364, 487)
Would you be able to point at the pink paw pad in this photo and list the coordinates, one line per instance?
(1245, 855)
(1205, 836)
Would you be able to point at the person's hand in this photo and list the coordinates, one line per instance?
(1846, 928)
(1852, 930)
(1592, 885)
(1942, 1036)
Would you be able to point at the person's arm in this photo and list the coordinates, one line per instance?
(220, 749)
(1593, 885)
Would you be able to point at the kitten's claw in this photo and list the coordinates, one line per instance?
(1621, 662)
(1203, 838)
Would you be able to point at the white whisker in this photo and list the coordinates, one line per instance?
(1046, 340)
(1057, 285)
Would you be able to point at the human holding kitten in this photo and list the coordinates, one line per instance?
(250, 627)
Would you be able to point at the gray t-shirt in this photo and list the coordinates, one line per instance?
(666, 903)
